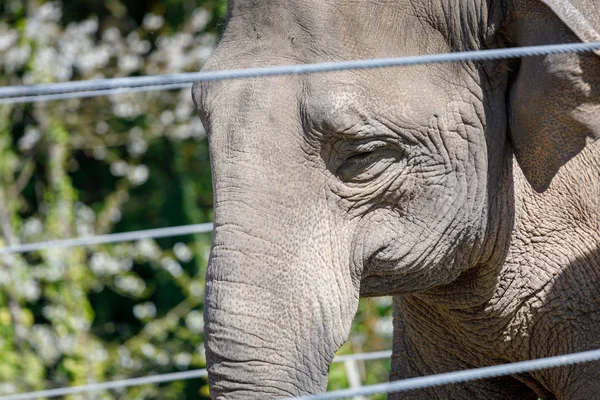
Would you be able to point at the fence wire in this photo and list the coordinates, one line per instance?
(459, 376)
(95, 387)
(55, 91)
(154, 379)
(110, 238)
(92, 93)
(381, 388)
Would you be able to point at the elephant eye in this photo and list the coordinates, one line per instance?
(366, 165)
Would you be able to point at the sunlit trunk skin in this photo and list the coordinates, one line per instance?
(276, 309)
(279, 297)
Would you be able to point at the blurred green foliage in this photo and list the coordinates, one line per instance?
(113, 164)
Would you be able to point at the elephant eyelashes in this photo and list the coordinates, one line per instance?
(365, 166)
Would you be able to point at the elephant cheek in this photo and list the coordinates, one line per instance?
(375, 248)
(395, 256)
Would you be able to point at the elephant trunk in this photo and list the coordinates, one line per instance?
(251, 344)
(278, 303)
(280, 296)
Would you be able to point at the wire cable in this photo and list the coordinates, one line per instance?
(459, 376)
(376, 355)
(110, 238)
(94, 387)
(389, 387)
(83, 88)
(92, 93)
(177, 376)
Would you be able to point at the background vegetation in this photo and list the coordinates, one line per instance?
(112, 164)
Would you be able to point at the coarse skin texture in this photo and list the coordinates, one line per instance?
(465, 190)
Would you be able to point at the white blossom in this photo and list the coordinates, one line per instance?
(111, 35)
(144, 311)
(138, 175)
(5, 278)
(162, 358)
(125, 358)
(66, 343)
(102, 127)
(119, 168)
(31, 291)
(195, 321)
(99, 153)
(196, 289)
(137, 147)
(384, 326)
(104, 264)
(148, 350)
(172, 266)
(7, 388)
(98, 355)
(183, 360)
(129, 63)
(85, 220)
(55, 266)
(15, 58)
(32, 227)
(153, 22)
(200, 18)
(130, 284)
(50, 11)
(182, 252)
(89, 26)
(44, 340)
(8, 37)
(115, 215)
(148, 249)
(167, 117)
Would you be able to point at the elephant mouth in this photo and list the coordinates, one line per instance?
(395, 269)
(379, 277)
(375, 286)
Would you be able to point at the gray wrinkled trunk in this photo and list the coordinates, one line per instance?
(279, 298)
(275, 313)
(259, 329)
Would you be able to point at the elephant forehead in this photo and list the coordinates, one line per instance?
(278, 16)
(344, 101)
(312, 30)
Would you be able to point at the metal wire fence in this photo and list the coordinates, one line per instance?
(100, 87)
(388, 387)
(460, 376)
(109, 239)
(349, 361)
(69, 90)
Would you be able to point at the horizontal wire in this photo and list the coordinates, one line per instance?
(389, 387)
(459, 376)
(94, 387)
(110, 238)
(153, 379)
(376, 355)
(92, 93)
(167, 81)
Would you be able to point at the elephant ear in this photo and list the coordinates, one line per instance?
(554, 100)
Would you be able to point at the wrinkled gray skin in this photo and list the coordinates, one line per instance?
(464, 190)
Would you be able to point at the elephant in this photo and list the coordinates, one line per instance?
(467, 191)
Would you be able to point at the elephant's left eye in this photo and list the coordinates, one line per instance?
(366, 165)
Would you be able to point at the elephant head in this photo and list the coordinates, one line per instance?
(332, 186)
